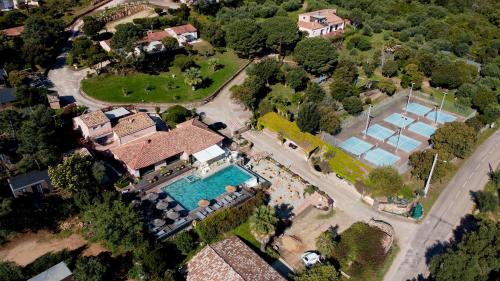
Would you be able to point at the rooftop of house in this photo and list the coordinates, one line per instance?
(309, 25)
(94, 118)
(230, 260)
(330, 15)
(155, 36)
(116, 113)
(181, 29)
(13, 31)
(58, 272)
(189, 137)
(53, 98)
(28, 179)
(133, 124)
(7, 95)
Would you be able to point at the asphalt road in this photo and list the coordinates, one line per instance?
(453, 203)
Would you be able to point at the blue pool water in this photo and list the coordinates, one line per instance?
(189, 190)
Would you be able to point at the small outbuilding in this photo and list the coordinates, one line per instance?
(31, 182)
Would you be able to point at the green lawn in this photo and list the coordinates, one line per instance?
(342, 164)
(111, 87)
(243, 232)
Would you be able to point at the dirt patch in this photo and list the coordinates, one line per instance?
(27, 247)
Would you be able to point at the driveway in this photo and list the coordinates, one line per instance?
(453, 203)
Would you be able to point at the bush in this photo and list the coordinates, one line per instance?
(390, 68)
(176, 114)
(385, 181)
(184, 62)
(353, 105)
(185, 242)
(387, 87)
(486, 201)
(224, 220)
(291, 5)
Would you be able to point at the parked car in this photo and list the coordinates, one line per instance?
(310, 258)
(292, 145)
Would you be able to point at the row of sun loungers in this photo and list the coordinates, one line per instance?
(225, 201)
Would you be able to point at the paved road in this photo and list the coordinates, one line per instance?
(445, 215)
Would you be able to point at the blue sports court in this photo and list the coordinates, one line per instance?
(441, 117)
(379, 132)
(399, 120)
(380, 157)
(406, 143)
(418, 109)
(422, 129)
(355, 146)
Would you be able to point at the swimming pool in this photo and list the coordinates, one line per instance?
(189, 190)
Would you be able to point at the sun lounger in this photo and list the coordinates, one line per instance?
(200, 215)
(237, 194)
(228, 198)
(179, 222)
(216, 206)
(209, 210)
(160, 233)
(224, 201)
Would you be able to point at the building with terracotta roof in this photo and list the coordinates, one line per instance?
(158, 149)
(93, 125)
(183, 33)
(133, 127)
(321, 23)
(230, 260)
(13, 31)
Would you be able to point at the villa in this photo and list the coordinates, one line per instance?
(321, 23)
(183, 33)
(230, 260)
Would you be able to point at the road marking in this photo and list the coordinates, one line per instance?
(470, 176)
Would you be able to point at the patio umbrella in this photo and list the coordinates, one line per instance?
(230, 188)
(203, 203)
(152, 196)
(161, 205)
(158, 222)
(173, 215)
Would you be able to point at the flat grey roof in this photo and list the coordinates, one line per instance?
(116, 113)
(56, 273)
(28, 179)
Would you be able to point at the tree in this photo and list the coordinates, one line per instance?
(176, 114)
(386, 86)
(390, 68)
(414, 76)
(474, 258)
(421, 163)
(385, 181)
(342, 88)
(213, 33)
(90, 269)
(320, 272)
(250, 93)
(281, 33)
(114, 223)
(308, 117)
(353, 105)
(267, 69)
(85, 52)
(214, 64)
(486, 201)
(245, 37)
(263, 224)
(453, 74)
(92, 25)
(314, 93)
(192, 77)
(184, 62)
(329, 121)
(27, 96)
(316, 55)
(296, 78)
(456, 138)
(185, 242)
(99, 171)
(41, 37)
(492, 112)
(10, 271)
(73, 174)
(125, 37)
(326, 244)
(170, 44)
(482, 98)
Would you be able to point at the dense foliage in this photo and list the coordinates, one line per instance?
(385, 181)
(320, 272)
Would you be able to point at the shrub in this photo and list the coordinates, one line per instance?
(390, 68)
(486, 201)
(387, 87)
(353, 105)
(385, 181)
(185, 242)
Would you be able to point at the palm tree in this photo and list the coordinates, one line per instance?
(192, 77)
(214, 64)
(263, 224)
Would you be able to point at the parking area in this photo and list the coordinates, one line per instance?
(389, 136)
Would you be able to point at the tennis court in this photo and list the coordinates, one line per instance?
(406, 143)
(380, 157)
(379, 132)
(418, 109)
(355, 146)
(441, 118)
(422, 129)
(399, 120)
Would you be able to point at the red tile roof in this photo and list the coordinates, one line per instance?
(133, 124)
(183, 29)
(14, 31)
(155, 36)
(329, 14)
(230, 260)
(189, 137)
(309, 25)
(94, 118)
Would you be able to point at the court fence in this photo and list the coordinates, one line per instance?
(461, 110)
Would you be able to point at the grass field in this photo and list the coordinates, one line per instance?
(140, 87)
(341, 163)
